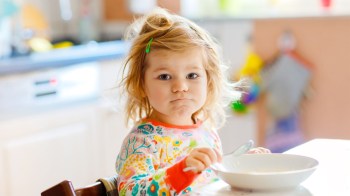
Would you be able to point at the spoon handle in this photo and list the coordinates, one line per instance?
(242, 149)
(189, 169)
(237, 152)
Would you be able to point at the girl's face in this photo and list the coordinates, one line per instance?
(175, 84)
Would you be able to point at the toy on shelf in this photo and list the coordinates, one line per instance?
(250, 71)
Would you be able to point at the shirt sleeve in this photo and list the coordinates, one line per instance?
(139, 173)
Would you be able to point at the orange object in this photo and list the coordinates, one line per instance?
(33, 18)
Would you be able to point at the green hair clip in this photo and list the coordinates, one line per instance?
(148, 47)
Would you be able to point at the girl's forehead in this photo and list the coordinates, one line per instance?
(168, 57)
(192, 52)
(175, 51)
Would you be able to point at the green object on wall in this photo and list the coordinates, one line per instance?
(238, 106)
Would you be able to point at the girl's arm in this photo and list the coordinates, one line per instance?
(139, 173)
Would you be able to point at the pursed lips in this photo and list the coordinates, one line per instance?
(181, 99)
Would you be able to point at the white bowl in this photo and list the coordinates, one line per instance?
(266, 171)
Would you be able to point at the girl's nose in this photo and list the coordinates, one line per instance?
(179, 85)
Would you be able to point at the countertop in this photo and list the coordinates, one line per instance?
(64, 57)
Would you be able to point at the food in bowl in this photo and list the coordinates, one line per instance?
(266, 171)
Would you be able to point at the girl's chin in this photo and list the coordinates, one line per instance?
(176, 119)
(176, 116)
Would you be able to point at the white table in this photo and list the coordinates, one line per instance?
(332, 177)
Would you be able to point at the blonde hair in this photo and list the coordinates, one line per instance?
(175, 33)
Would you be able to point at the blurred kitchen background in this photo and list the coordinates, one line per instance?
(60, 113)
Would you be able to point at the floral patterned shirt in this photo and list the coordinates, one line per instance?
(152, 158)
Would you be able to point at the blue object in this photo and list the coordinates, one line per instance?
(285, 134)
(252, 95)
(7, 8)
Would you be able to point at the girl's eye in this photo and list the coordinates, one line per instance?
(164, 77)
(192, 76)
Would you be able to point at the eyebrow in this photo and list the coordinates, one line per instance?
(165, 68)
(162, 68)
(196, 67)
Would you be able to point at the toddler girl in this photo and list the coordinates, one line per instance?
(174, 82)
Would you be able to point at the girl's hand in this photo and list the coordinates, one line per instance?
(259, 150)
(202, 158)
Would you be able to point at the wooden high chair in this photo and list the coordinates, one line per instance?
(103, 187)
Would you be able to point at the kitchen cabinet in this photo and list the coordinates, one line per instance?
(77, 140)
(39, 150)
(112, 128)
(112, 132)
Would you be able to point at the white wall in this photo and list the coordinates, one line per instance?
(233, 35)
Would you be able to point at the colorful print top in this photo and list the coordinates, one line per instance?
(152, 159)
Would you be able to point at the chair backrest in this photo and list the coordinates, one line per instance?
(65, 188)
(96, 189)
